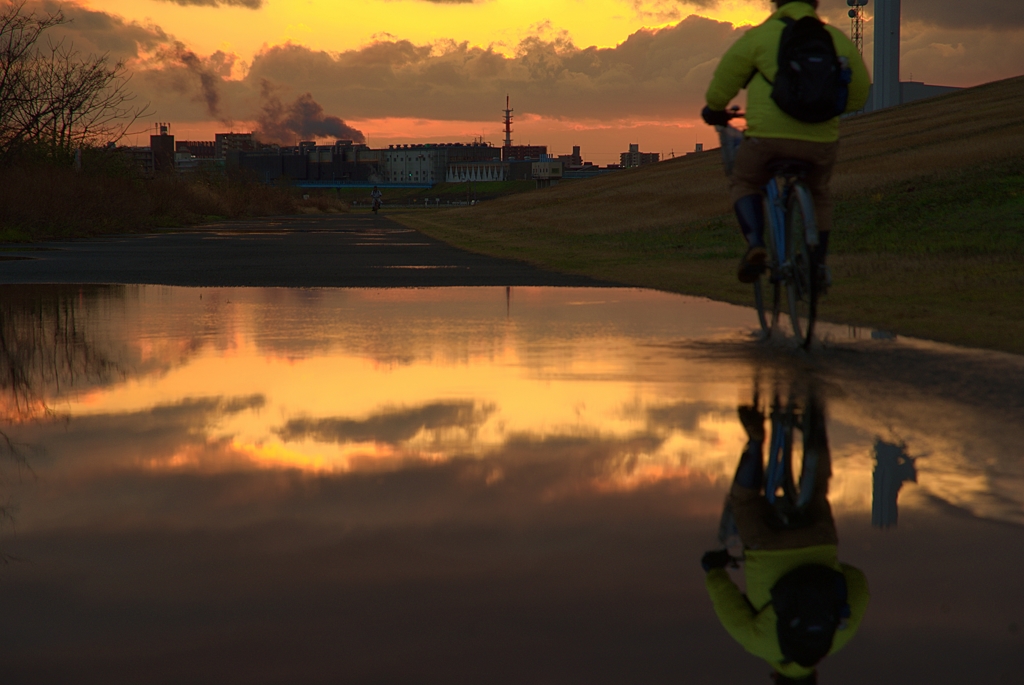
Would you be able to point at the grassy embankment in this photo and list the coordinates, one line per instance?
(929, 237)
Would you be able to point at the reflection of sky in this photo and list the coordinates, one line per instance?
(341, 381)
(334, 382)
(425, 436)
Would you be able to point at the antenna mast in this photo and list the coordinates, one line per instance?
(508, 123)
(856, 15)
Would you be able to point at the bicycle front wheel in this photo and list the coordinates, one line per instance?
(801, 281)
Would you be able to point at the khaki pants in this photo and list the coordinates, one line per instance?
(750, 172)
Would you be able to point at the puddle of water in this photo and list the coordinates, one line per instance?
(469, 485)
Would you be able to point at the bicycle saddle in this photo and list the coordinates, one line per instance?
(790, 167)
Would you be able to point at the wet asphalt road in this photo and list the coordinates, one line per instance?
(356, 250)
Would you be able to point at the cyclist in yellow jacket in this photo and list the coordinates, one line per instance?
(752, 63)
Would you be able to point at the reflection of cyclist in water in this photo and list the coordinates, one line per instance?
(791, 568)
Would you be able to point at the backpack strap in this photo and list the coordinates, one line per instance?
(788, 21)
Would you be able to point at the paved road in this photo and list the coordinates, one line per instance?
(359, 250)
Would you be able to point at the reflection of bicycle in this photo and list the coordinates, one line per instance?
(791, 236)
(789, 498)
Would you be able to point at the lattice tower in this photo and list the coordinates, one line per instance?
(508, 123)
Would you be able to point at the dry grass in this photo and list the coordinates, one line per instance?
(898, 267)
(45, 201)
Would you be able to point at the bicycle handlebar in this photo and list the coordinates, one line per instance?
(735, 113)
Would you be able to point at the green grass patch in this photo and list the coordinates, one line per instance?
(973, 211)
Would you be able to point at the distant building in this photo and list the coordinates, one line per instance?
(635, 158)
(494, 170)
(415, 164)
(429, 163)
(887, 90)
(193, 155)
(343, 162)
(523, 153)
(140, 158)
(162, 147)
(588, 170)
(519, 170)
(200, 149)
(226, 143)
(547, 172)
(573, 161)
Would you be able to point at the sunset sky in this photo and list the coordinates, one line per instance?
(595, 73)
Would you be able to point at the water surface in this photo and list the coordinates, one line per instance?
(470, 485)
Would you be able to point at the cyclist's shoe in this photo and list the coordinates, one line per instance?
(824, 279)
(753, 264)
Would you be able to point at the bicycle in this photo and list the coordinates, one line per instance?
(790, 238)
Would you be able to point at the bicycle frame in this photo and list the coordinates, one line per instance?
(778, 201)
(780, 471)
(777, 219)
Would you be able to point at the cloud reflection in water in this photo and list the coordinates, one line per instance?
(302, 477)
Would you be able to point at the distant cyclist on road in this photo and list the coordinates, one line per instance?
(376, 195)
(800, 75)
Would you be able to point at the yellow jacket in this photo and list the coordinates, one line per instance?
(758, 50)
(750, 619)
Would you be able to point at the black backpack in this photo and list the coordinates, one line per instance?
(810, 603)
(811, 84)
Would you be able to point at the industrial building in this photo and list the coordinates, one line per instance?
(343, 162)
(429, 163)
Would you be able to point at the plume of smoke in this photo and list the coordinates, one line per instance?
(208, 74)
(302, 119)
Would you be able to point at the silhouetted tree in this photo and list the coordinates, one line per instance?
(53, 99)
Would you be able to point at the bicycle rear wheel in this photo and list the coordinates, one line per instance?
(767, 290)
(802, 282)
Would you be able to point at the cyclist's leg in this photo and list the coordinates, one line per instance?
(749, 176)
(750, 511)
(822, 157)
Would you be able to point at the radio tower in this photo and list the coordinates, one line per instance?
(508, 124)
(856, 14)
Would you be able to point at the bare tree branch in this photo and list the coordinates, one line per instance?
(52, 98)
